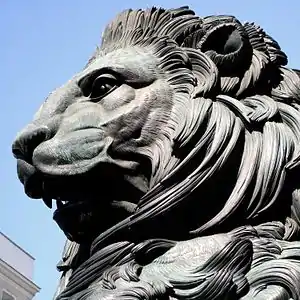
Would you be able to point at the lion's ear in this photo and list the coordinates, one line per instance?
(206, 73)
(228, 46)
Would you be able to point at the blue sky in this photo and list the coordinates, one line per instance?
(43, 43)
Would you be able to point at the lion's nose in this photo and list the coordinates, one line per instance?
(28, 140)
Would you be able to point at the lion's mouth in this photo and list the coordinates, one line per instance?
(86, 204)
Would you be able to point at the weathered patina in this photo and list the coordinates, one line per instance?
(173, 158)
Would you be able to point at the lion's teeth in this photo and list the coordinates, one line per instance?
(48, 201)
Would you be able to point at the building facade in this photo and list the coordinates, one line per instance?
(16, 272)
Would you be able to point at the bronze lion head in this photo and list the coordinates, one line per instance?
(177, 126)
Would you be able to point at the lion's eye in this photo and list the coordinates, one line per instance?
(103, 85)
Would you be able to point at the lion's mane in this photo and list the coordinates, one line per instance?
(229, 157)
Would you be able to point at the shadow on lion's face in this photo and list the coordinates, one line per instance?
(89, 146)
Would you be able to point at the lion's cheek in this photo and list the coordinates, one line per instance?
(158, 102)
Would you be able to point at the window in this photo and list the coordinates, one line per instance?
(7, 296)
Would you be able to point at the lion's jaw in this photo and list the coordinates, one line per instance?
(96, 150)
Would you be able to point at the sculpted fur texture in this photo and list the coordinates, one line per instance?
(173, 158)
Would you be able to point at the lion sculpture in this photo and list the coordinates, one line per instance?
(173, 158)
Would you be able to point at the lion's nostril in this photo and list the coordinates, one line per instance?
(27, 141)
